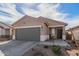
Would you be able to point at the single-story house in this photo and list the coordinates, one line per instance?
(75, 31)
(4, 31)
(38, 29)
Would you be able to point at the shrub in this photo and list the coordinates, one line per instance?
(56, 50)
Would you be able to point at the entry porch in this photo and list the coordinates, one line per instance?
(56, 33)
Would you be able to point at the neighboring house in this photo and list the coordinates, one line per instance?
(75, 31)
(38, 29)
(4, 31)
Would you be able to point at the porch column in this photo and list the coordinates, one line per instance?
(13, 36)
(63, 34)
(10, 33)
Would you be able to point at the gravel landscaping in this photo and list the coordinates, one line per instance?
(39, 51)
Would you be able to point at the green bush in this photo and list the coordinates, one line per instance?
(56, 50)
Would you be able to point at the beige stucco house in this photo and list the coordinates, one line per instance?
(38, 29)
(4, 31)
(75, 31)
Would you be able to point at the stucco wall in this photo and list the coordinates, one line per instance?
(7, 31)
(2, 31)
(3, 28)
(76, 34)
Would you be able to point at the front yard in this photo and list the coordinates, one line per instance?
(44, 51)
(15, 48)
(56, 50)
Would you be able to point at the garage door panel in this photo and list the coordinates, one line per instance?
(28, 34)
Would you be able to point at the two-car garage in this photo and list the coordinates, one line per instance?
(28, 34)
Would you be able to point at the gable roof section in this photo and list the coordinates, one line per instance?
(26, 16)
(37, 21)
(51, 21)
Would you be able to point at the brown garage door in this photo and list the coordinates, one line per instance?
(28, 34)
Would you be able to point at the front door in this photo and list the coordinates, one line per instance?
(59, 33)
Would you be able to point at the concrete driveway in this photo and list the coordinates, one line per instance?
(15, 47)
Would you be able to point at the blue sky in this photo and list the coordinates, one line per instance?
(66, 12)
(71, 8)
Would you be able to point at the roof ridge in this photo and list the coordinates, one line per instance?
(38, 19)
(22, 18)
(52, 20)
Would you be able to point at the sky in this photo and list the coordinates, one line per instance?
(66, 12)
